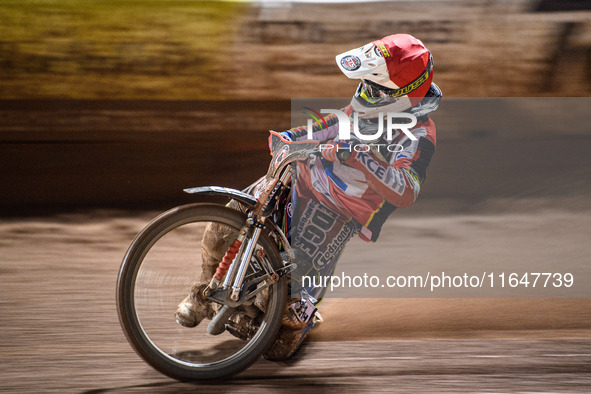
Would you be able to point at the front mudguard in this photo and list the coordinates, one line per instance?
(233, 194)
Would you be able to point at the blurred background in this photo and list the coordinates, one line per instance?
(124, 103)
(108, 109)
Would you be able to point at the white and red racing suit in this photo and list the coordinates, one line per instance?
(333, 201)
(373, 181)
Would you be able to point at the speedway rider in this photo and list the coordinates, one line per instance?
(352, 192)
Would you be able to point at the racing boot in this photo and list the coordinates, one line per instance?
(300, 318)
(194, 307)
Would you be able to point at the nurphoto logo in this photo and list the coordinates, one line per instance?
(392, 123)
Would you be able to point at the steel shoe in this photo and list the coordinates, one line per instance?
(300, 318)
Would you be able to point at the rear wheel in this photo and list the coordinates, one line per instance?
(159, 269)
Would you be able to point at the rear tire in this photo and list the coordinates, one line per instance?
(153, 277)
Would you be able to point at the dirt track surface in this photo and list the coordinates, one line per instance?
(60, 331)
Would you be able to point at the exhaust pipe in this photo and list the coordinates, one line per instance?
(217, 325)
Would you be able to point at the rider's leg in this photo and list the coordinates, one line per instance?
(216, 240)
(313, 258)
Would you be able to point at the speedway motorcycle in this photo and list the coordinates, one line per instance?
(248, 293)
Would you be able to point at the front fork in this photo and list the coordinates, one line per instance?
(228, 265)
(244, 251)
(244, 264)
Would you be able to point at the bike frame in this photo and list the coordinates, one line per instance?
(277, 182)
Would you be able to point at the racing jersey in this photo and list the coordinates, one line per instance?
(374, 180)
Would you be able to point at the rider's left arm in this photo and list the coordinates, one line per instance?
(398, 182)
(322, 130)
(399, 186)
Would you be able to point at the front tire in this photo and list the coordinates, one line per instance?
(157, 272)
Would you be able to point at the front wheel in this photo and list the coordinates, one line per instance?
(160, 267)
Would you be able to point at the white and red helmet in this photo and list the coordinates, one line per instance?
(396, 73)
